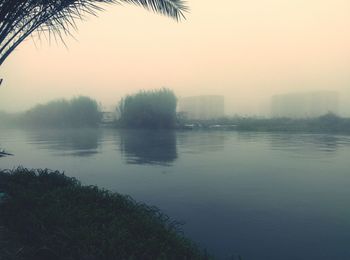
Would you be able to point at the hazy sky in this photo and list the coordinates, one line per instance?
(247, 50)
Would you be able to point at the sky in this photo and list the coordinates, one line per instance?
(246, 50)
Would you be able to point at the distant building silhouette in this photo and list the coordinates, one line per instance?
(202, 107)
(302, 105)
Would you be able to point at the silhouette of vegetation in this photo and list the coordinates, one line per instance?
(330, 123)
(327, 123)
(77, 112)
(148, 109)
(20, 18)
(51, 216)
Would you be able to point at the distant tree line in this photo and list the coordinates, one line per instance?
(329, 122)
(156, 109)
(79, 111)
(148, 109)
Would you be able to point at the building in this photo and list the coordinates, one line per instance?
(303, 105)
(202, 107)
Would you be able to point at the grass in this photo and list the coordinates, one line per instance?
(48, 215)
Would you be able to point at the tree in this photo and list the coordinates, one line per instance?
(148, 109)
(77, 112)
(20, 18)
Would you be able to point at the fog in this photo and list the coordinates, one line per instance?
(247, 51)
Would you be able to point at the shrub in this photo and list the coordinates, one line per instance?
(79, 111)
(50, 213)
(148, 109)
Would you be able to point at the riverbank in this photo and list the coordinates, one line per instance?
(51, 216)
(329, 123)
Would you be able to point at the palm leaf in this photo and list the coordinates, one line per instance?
(20, 18)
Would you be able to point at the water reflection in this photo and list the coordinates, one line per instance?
(148, 146)
(287, 190)
(67, 142)
(300, 142)
(200, 142)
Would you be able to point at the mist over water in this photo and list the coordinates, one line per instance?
(260, 195)
(261, 188)
(247, 51)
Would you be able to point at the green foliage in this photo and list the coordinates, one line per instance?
(80, 111)
(148, 109)
(47, 210)
(20, 18)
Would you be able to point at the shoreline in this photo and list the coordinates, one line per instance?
(49, 213)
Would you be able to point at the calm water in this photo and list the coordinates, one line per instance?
(261, 195)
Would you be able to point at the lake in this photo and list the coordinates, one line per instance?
(263, 196)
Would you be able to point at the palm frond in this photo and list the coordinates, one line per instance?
(20, 18)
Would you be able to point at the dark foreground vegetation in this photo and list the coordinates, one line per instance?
(46, 215)
(329, 123)
(148, 109)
